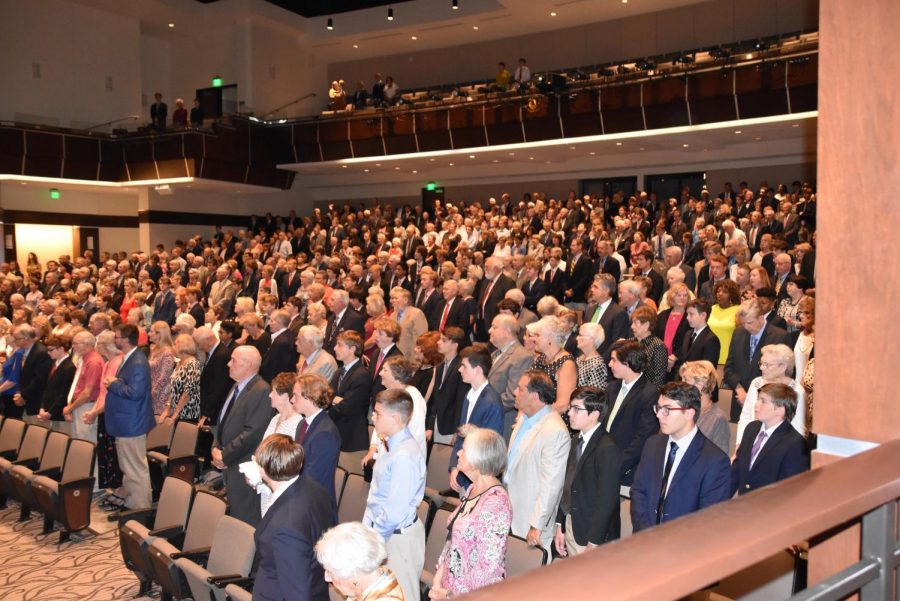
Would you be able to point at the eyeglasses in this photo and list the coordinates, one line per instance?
(665, 410)
(576, 408)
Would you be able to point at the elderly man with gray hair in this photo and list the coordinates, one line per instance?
(85, 387)
(314, 359)
(281, 356)
(509, 362)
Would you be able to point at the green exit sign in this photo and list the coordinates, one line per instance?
(54, 193)
(217, 82)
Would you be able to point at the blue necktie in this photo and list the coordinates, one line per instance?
(670, 460)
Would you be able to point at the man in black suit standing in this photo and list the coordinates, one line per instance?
(241, 425)
(56, 392)
(451, 312)
(604, 310)
(590, 498)
(164, 304)
(428, 298)
(387, 333)
(316, 432)
(195, 309)
(349, 410)
(771, 449)
(534, 286)
(631, 420)
(286, 536)
(159, 111)
(555, 276)
(290, 280)
(442, 415)
(742, 365)
(343, 318)
(493, 289)
(700, 343)
(282, 353)
(578, 276)
(36, 368)
(605, 262)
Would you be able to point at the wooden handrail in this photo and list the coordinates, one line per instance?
(686, 555)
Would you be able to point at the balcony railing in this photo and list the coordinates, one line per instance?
(681, 557)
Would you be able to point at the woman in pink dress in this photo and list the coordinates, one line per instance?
(475, 553)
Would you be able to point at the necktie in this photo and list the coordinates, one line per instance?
(659, 245)
(757, 445)
(579, 449)
(670, 460)
(378, 364)
(465, 410)
(53, 369)
(623, 392)
(301, 431)
(487, 293)
(753, 342)
(597, 312)
(693, 339)
(444, 315)
(341, 375)
(227, 408)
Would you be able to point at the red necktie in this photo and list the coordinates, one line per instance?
(301, 431)
(444, 316)
(487, 293)
(378, 364)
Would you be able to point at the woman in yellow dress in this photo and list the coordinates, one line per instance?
(723, 319)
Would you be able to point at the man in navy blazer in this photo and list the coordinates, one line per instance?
(680, 470)
(481, 407)
(300, 513)
(771, 449)
(317, 434)
(164, 304)
(129, 416)
(350, 408)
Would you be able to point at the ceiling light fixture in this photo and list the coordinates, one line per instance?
(390, 14)
(171, 25)
(454, 5)
(414, 38)
(737, 131)
(618, 143)
(475, 27)
(684, 145)
(330, 25)
(552, 14)
(356, 45)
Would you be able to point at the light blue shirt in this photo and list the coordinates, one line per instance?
(527, 424)
(398, 485)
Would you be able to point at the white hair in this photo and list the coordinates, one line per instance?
(351, 548)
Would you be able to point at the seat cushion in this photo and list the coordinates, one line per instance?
(157, 457)
(163, 546)
(48, 483)
(22, 471)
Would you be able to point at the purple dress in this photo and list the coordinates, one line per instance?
(475, 553)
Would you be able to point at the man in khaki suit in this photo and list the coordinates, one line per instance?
(538, 452)
(412, 321)
(510, 361)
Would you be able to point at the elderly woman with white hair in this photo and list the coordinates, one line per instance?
(353, 556)
(776, 365)
(554, 360)
(317, 315)
(590, 364)
(548, 305)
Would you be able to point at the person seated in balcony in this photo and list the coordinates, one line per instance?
(180, 116)
(771, 449)
(391, 91)
(337, 95)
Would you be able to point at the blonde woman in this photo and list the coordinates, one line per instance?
(162, 364)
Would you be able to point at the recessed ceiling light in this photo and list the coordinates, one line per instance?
(366, 170)
(572, 147)
(795, 125)
(552, 14)
(495, 161)
(396, 168)
(171, 25)
(454, 5)
(390, 14)
(642, 148)
(414, 171)
(592, 153)
(512, 154)
(547, 162)
(330, 26)
(684, 145)
(356, 45)
(343, 166)
(378, 164)
(471, 156)
(749, 55)
(432, 160)
(413, 38)
(530, 158)
(737, 131)
(618, 143)
(475, 27)
(451, 164)
(624, 1)
(757, 138)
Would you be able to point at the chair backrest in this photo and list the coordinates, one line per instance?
(11, 435)
(55, 451)
(184, 442)
(232, 549)
(521, 557)
(160, 435)
(437, 536)
(205, 514)
(174, 503)
(353, 501)
(340, 476)
(33, 443)
(79, 460)
(437, 475)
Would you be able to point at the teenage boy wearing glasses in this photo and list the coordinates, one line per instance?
(680, 470)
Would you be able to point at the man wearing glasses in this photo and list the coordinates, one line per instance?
(680, 470)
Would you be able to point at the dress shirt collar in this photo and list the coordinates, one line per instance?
(586, 436)
(280, 491)
(685, 441)
(474, 393)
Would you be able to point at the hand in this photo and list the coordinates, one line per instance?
(67, 410)
(337, 400)
(201, 422)
(367, 458)
(89, 417)
(438, 593)
(671, 360)
(533, 537)
(741, 394)
(160, 418)
(67, 416)
(216, 456)
(43, 416)
(18, 400)
(428, 434)
(109, 380)
(453, 483)
(559, 541)
(568, 294)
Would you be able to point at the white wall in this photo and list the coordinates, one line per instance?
(46, 241)
(77, 48)
(36, 197)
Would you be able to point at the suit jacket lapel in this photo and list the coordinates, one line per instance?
(773, 443)
(526, 442)
(690, 456)
(590, 447)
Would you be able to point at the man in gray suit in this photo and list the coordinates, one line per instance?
(510, 361)
(242, 423)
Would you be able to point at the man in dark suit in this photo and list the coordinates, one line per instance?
(555, 277)
(343, 318)
(493, 289)
(56, 392)
(129, 416)
(442, 414)
(771, 449)
(642, 264)
(742, 365)
(159, 111)
(164, 304)
(590, 501)
(195, 309)
(33, 377)
(242, 423)
(450, 312)
(632, 396)
(213, 386)
(387, 333)
(609, 314)
(428, 298)
(316, 432)
(282, 353)
(481, 406)
(579, 272)
(700, 343)
(534, 286)
(680, 470)
(286, 536)
(605, 263)
(290, 280)
(349, 410)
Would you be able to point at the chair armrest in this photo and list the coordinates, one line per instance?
(224, 580)
(192, 554)
(160, 449)
(54, 473)
(32, 463)
(10, 454)
(168, 532)
(143, 515)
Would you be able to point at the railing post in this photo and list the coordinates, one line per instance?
(878, 543)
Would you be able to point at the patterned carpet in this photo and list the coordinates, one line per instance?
(88, 568)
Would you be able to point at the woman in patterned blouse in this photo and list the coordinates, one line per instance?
(643, 320)
(475, 553)
(184, 387)
(590, 364)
